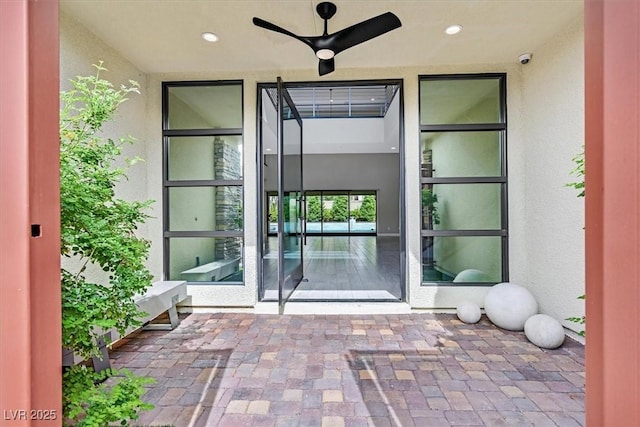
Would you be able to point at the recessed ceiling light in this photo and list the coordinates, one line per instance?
(453, 29)
(268, 149)
(393, 148)
(210, 37)
(373, 99)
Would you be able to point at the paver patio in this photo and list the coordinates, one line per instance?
(240, 369)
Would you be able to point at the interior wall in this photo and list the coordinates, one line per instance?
(378, 172)
(554, 132)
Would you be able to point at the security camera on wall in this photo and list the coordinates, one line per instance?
(525, 58)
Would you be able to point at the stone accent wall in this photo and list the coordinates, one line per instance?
(228, 201)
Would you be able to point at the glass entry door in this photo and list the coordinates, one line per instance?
(290, 197)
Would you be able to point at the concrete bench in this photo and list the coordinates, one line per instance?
(212, 271)
(160, 297)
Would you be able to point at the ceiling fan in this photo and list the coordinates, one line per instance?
(328, 45)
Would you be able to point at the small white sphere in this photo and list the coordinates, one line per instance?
(468, 312)
(544, 331)
(472, 275)
(509, 306)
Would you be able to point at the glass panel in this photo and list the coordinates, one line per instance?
(290, 192)
(448, 154)
(272, 206)
(461, 207)
(205, 158)
(462, 259)
(292, 232)
(205, 208)
(205, 107)
(335, 213)
(204, 259)
(314, 213)
(459, 101)
(362, 213)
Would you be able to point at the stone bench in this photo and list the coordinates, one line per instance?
(212, 271)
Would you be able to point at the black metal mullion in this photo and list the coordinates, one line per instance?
(464, 233)
(214, 234)
(465, 180)
(203, 132)
(466, 127)
(205, 183)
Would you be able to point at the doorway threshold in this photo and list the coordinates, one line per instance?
(333, 307)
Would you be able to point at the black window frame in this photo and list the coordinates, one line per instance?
(167, 133)
(502, 179)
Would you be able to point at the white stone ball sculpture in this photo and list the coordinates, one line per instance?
(472, 275)
(468, 312)
(509, 306)
(544, 331)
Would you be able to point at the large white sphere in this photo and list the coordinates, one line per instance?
(544, 331)
(468, 312)
(472, 275)
(509, 306)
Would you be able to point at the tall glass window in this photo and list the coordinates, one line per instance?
(463, 179)
(203, 181)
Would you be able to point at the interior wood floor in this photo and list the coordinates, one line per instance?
(341, 268)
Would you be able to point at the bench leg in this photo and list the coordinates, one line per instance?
(100, 363)
(173, 319)
(173, 314)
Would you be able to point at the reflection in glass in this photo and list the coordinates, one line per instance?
(462, 259)
(459, 101)
(461, 207)
(205, 208)
(205, 158)
(204, 259)
(449, 154)
(205, 107)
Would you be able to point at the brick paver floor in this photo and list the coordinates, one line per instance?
(239, 369)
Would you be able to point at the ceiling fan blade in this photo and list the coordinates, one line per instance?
(365, 30)
(326, 66)
(273, 27)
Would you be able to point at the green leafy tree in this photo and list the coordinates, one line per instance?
(355, 213)
(367, 210)
(314, 209)
(578, 172)
(429, 200)
(327, 215)
(340, 208)
(98, 229)
(273, 209)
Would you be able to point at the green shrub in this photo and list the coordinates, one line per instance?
(98, 229)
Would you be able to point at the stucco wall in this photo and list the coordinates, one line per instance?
(553, 92)
(79, 49)
(544, 105)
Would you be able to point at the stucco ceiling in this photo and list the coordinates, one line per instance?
(164, 36)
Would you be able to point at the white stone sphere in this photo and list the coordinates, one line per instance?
(472, 275)
(509, 306)
(544, 331)
(468, 312)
